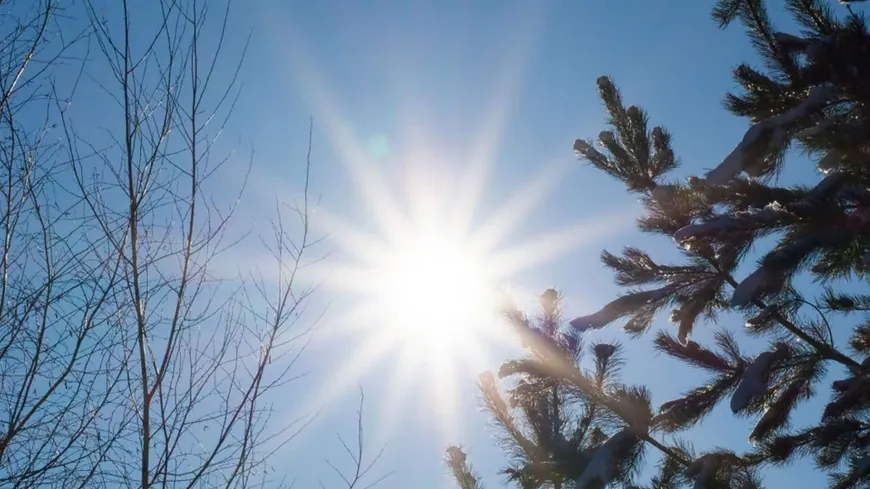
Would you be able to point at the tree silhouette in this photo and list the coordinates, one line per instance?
(811, 95)
(127, 358)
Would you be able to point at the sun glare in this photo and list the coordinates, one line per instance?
(418, 273)
(432, 291)
(422, 291)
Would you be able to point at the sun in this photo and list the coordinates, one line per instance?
(418, 267)
(432, 290)
(425, 287)
(420, 279)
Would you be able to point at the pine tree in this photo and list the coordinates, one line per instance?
(812, 94)
(555, 433)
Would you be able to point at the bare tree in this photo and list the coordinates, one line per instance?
(124, 362)
(53, 297)
(360, 476)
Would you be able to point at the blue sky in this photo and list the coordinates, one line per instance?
(436, 89)
(428, 83)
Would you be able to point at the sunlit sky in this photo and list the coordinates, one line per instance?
(454, 120)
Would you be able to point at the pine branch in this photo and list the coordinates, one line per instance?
(560, 368)
(813, 93)
(825, 350)
(669, 452)
(463, 473)
(692, 353)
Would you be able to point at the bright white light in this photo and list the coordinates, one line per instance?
(432, 291)
(425, 286)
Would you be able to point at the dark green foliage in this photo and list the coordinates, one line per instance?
(556, 418)
(638, 157)
(810, 94)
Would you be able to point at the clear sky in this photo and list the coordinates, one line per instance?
(466, 111)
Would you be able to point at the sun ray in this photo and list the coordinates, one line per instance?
(429, 294)
(399, 389)
(509, 83)
(510, 215)
(446, 399)
(366, 355)
(357, 244)
(354, 321)
(421, 289)
(369, 183)
(553, 244)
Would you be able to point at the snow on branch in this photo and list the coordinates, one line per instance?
(786, 38)
(775, 129)
(618, 308)
(582, 148)
(754, 381)
(754, 286)
(816, 130)
(770, 214)
(830, 161)
(601, 468)
(606, 137)
(702, 469)
(763, 317)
